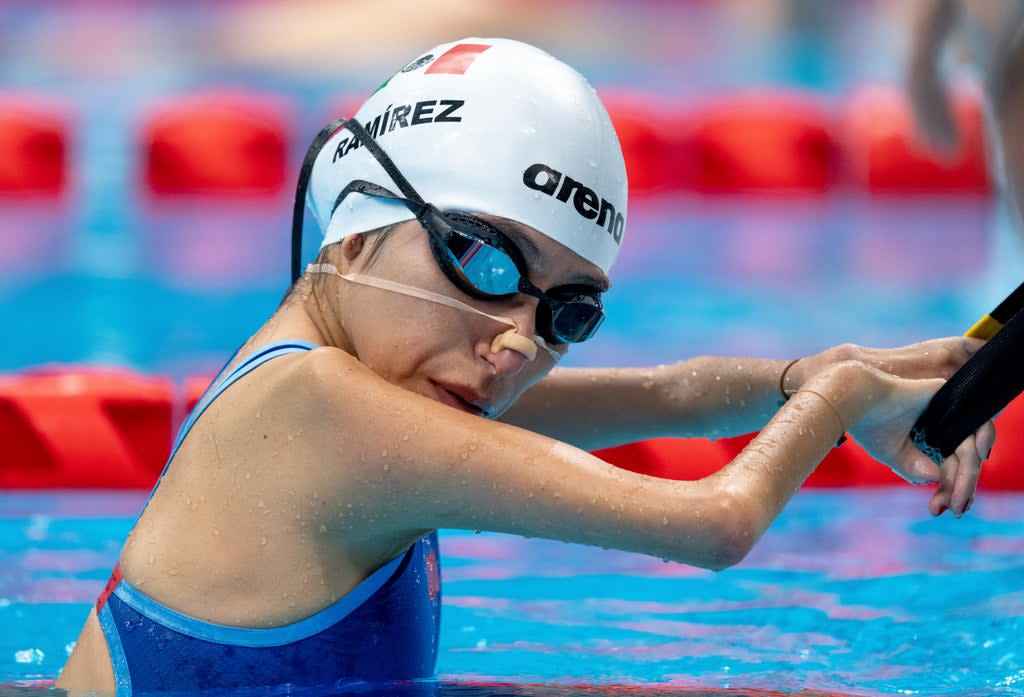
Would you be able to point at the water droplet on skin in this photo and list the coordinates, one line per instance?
(323, 528)
(405, 437)
(215, 532)
(718, 377)
(387, 467)
(263, 541)
(150, 559)
(464, 456)
(472, 447)
(693, 373)
(383, 453)
(664, 520)
(291, 436)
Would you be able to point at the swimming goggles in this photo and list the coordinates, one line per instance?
(478, 258)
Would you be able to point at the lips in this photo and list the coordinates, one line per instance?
(461, 398)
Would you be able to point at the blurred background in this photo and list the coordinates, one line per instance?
(151, 148)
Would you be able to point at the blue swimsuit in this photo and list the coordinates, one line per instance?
(385, 629)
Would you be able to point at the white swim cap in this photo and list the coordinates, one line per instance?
(488, 126)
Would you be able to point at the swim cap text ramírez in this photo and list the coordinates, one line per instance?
(489, 126)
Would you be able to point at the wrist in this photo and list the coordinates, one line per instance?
(848, 386)
(790, 379)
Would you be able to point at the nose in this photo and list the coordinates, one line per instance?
(508, 361)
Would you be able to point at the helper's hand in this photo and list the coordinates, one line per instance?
(933, 112)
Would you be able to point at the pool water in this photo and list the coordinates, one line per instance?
(855, 592)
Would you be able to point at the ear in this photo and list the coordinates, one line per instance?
(352, 246)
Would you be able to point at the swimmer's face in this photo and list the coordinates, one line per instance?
(444, 353)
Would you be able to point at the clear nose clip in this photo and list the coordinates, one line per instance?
(510, 339)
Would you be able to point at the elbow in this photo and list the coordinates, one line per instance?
(731, 547)
(733, 531)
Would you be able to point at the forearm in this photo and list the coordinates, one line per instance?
(600, 407)
(773, 466)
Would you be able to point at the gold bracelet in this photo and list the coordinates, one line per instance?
(842, 435)
(782, 380)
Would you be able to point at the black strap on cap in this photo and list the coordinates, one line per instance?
(322, 137)
(980, 389)
(299, 206)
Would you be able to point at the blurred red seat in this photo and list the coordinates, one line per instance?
(669, 458)
(849, 465)
(763, 143)
(218, 143)
(83, 429)
(653, 135)
(884, 154)
(1003, 470)
(34, 145)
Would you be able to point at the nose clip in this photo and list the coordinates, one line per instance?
(515, 341)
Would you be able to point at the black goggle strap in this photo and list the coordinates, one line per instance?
(440, 226)
(382, 158)
(299, 206)
(325, 134)
(361, 186)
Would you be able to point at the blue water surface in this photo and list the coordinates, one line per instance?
(855, 592)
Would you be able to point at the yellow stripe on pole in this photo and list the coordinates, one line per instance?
(984, 328)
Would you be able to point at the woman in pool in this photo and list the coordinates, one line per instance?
(471, 212)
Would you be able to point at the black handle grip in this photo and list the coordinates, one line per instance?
(980, 389)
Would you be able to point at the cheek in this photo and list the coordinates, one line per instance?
(397, 335)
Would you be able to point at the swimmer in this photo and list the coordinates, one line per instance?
(471, 212)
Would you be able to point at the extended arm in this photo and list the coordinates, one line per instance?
(411, 464)
(601, 407)
(710, 397)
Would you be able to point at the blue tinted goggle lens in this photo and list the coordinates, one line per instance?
(492, 272)
(489, 269)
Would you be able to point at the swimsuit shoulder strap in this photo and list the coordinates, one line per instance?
(221, 382)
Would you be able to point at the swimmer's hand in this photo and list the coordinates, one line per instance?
(935, 358)
(893, 405)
